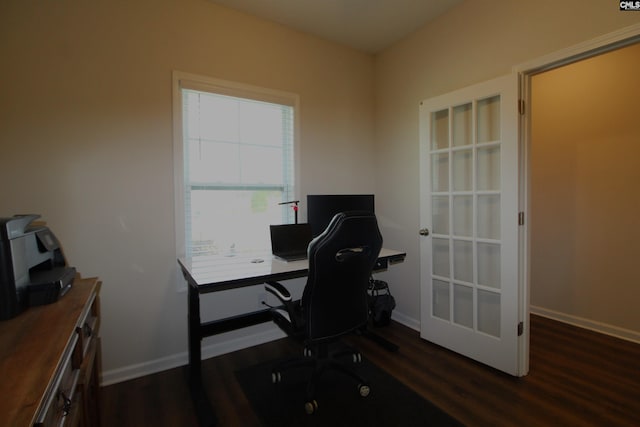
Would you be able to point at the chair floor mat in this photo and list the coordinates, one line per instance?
(390, 402)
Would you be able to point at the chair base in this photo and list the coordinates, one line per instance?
(318, 359)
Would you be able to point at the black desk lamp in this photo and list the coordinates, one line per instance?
(295, 208)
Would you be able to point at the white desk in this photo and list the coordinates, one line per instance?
(222, 272)
(209, 274)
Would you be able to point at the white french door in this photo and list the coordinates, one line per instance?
(469, 223)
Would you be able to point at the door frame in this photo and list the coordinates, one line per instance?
(608, 42)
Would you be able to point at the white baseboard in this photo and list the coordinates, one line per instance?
(407, 321)
(592, 325)
(130, 372)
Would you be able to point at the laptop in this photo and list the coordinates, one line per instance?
(289, 242)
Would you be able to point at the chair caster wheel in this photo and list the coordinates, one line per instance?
(276, 377)
(357, 358)
(307, 352)
(311, 407)
(364, 390)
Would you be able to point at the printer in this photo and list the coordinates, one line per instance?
(33, 270)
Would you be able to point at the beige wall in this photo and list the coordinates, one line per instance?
(585, 158)
(86, 139)
(473, 42)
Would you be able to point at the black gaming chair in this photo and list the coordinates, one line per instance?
(334, 300)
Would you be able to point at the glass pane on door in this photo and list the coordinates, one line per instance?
(489, 313)
(489, 168)
(440, 129)
(440, 266)
(463, 216)
(489, 119)
(488, 209)
(440, 214)
(441, 299)
(462, 125)
(463, 305)
(489, 265)
(462, 170)
(440, 172)
(463, 260)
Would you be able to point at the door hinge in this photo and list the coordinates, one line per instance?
(521, 107)
(520, 328)
(520, 218)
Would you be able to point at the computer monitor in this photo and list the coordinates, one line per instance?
(321, 208)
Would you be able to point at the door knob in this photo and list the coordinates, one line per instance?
(424, 231)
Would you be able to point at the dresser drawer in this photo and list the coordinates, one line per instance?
(61, 402)
(87, 329)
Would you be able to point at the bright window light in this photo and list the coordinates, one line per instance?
(238, 168)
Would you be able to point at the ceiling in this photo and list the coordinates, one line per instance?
(366, 25)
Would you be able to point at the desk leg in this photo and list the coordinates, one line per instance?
(195, 335)
(201, 402)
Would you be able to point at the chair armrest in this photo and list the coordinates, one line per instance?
(278, 290)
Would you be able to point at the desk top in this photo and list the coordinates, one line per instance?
(220, 272)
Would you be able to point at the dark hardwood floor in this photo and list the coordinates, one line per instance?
(576, 378)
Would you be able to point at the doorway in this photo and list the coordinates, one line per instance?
(582, 163)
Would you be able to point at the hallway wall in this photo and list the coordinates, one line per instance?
(585, 165)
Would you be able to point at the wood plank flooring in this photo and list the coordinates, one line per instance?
(576, 378)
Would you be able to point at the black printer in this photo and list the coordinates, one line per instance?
(33, 269)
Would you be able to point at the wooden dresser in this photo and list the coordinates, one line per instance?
(50, 361)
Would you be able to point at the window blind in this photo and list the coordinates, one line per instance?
(238, 166)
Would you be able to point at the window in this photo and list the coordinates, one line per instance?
(234, 149)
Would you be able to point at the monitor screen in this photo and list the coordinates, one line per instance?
(321, 208)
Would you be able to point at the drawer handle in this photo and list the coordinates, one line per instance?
(66, 405)
(87, 330)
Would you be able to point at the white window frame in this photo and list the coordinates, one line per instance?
(182, 80)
